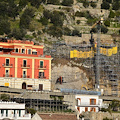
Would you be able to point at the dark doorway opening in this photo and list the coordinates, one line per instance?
(24, 85)
(40, 87)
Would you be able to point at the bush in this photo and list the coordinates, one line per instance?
(67, 2)
(54, 2)
(107, 23)
(105, 5)
(18, 33)
(55, 31)
(44, 21)
(104, 29)
(5, 97)
(80, 14)
(115, 5)
(85, 4)
(112, 14)
(92, 4)
(78, 22)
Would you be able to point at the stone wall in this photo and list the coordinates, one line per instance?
(101, 115)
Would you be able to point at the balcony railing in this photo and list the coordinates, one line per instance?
(25, 76)
(41, 77)
(7, 75)
(41, 67)
(7, 65)
(25, 66)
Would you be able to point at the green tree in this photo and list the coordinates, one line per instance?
(32, 111)
(112, 14)
(26, 18)
(12, 9)
(55, 31)
(116, 6)
(92, 4)
(44, 21)
(114, 105)
(22, 3)
(104, 29)
(85, 4)
(47, 14)
(35, 3)
(107, 23)
(3, 9)
(4, 26)
(54, 2)
(105, 5)
(67, 2)
(18, 33)
(57, 18)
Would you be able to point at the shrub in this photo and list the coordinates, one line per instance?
(104, 29)
(85, 4)
(78, 22)
(105, 5)
(92, 4)
(115, 5)
(112, 14)
(44, 21)
(80, 14)
(107, 23)
(67, 2)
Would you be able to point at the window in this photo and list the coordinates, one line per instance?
(41, 64)
(92, 101)
(23, 50)
(24, 74)
(24, 63)
(41, 74)
(2, 112)
(29, 51)
(16, 50)
(6, 113)
(19, 113)
(14, 113)
(34, 52)
(7, 73)
(7, 62)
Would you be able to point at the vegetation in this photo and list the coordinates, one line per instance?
(105, 5)
(67, 2)
(5, 97)
(31, 110)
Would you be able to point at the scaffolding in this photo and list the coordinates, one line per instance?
(108, 63)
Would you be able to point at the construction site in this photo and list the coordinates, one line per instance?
(97, 57)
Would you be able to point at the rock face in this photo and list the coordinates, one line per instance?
(73, 77)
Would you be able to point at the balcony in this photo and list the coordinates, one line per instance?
(24, 66)
(25, 76)
(42, 67)
(41, 77)
(7, 75)
(7, 65)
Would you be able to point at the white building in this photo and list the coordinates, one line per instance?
(88, 103)
(13, 111)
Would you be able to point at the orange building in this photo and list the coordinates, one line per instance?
(23, 65)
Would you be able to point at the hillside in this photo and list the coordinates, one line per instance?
(49, 22)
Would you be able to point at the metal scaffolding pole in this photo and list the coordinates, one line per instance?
(97, 57)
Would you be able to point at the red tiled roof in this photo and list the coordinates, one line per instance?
(53, 116)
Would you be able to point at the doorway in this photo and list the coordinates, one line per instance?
(24, 85)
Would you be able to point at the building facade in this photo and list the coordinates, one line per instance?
(88, 103)
(13, 111)
(24, 66)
